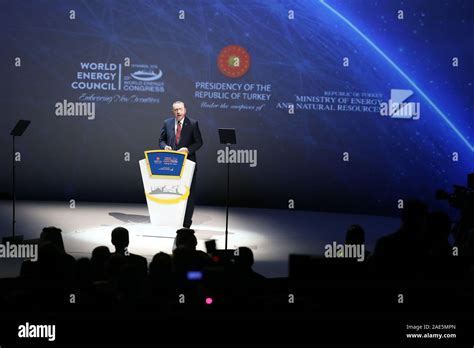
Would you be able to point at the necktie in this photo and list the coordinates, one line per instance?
(178, 132)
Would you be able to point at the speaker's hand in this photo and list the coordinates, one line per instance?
(183, 149)
(167, 147)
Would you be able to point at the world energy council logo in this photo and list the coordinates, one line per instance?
(119, 82)
(233, 61)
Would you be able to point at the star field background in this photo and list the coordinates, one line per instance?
(300, 155)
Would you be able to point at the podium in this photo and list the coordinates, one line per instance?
(167, 177)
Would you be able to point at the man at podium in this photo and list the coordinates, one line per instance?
(181, 133)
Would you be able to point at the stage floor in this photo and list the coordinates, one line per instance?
(271, 234)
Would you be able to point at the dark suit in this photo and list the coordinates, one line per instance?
(192, 140)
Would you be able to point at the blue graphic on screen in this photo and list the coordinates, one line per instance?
(375, 104)
(166, 163)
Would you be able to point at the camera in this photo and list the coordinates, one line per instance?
(462, 197)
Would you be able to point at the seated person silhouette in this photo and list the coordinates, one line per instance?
(243, 262)
(185, 256)
(400, 255)
(120, 241)
(100, 255)
(54, 262)
(355, 235)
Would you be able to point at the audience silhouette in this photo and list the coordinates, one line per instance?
(419, 252)
(120, 240)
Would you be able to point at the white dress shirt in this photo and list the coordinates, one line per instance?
(176, 125)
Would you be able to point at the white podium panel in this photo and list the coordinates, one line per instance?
(166, 198)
